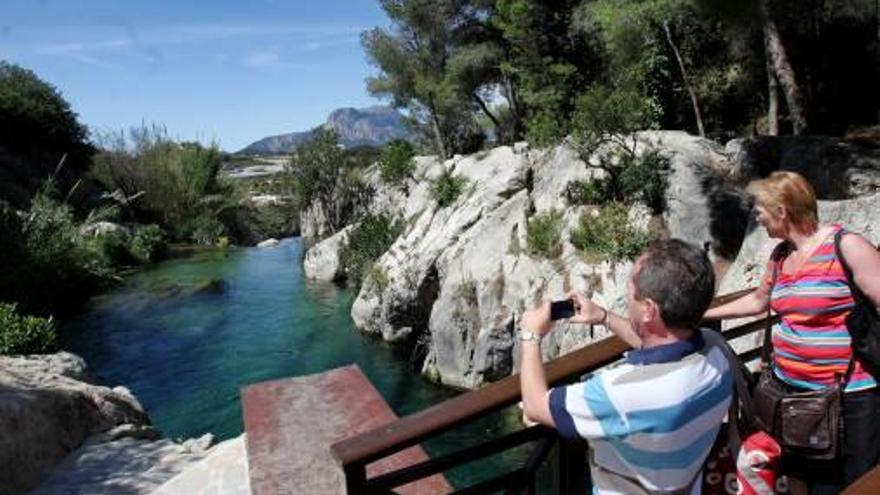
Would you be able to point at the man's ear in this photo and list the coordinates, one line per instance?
(651, 312)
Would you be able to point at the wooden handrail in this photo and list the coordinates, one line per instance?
(868, 484)
(354, 453)
(410, 430)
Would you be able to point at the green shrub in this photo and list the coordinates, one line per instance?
(604, 115)
(46, 264)
(609, 236)
(177, 185)
(447, 188)
(148, 243)
(366, 242)
(645, 179)
(544, 234)
(25, 334)
(587, 192)
(396, 163)
(111, 248)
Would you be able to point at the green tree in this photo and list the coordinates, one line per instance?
(38, 131)
(396, 163)
(548, 63)
(322, 175)
(412, 58)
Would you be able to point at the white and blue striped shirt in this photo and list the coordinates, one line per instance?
(651, 419)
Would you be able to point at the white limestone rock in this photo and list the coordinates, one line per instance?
(397, 300)
(46, 412)
(322, 260)
(268, 243)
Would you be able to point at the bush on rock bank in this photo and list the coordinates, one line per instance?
(25, 334)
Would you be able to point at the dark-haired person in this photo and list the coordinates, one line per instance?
(812, 345)
(651, 419)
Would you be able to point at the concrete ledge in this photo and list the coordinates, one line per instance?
(291, 423)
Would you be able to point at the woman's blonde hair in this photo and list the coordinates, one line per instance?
(791, 191)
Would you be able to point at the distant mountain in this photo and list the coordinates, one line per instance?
(372, 126)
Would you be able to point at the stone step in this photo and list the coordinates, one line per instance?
(291, 423)
(223, 472)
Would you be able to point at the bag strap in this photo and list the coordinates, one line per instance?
(768, 328)
(740, 413)
(857, 293)
(858, 296)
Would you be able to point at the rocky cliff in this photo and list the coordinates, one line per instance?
(453, 283)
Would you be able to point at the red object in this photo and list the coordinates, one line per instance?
(755, 471)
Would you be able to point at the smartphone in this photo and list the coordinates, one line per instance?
(561, 310)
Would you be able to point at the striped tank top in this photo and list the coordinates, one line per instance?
(811, 344)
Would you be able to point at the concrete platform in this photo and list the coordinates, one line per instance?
(291, 423)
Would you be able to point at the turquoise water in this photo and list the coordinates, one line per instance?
(187, 334)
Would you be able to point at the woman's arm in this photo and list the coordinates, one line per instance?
(750, 304)
(864, 261)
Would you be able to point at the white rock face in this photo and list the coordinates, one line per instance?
(322, 260)
(454, 282)
(399, 303)
(458, 276)
(62, 434)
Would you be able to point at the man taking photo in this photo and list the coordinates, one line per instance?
(651, 419)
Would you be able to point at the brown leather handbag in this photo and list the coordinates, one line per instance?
(808, 423)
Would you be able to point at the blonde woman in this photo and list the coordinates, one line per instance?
(811, 345)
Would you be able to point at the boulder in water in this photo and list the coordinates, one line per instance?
(268, 243)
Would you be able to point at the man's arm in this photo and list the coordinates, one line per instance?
(533, 381)
(590, 313)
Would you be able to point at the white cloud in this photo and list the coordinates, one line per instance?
(262, 59)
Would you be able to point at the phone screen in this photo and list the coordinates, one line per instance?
(560, 310)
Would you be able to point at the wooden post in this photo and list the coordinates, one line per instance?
(570, 473)
(355, 478)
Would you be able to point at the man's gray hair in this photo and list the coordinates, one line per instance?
(679, 277)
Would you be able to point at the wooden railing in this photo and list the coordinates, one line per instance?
(570, 475)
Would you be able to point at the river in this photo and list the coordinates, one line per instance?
(187, 334)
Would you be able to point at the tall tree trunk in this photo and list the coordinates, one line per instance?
(695, 103)
(499, 131)
(782, 69)
(516, 126)
(439, 140)
(772, 102)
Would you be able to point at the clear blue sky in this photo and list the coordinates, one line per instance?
(231, 71)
